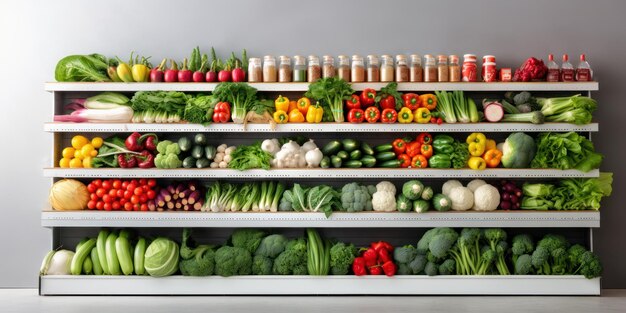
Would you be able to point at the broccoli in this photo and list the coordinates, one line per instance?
(355, 198)
(441, 243)
(231, 261)
(448, 267)
(247, 238)
(523, 265)
(573, 255)
(524, 108)
(404, 254)
(522, 97)
(261, 265)
(404, 269)
(590, 265)
(521, 244)
(271, 246)
(198, 261)
(424, 242)
(292, 261)
(540, 259)
(168, 155)
(467, 252)
(431, 269)
(501, 250)
(493, 236)
(559, 261)
(418, 264)
(487, 258)
(341, 258)
(551, 255)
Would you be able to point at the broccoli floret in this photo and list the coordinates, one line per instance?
(448, 267)
(523, 265)
(418, 264)
(522, 244)
(494, 235)
(167, 161)
(354, 198)
(247, 238)
(341, 258)
(441, 243)
(298, 244)
(468, 255)
(522, 97)
(573, 256)
(271, 246)
(404, 269)
(487, 258)
(173, 149)
(198, 261)
(231, 261)
(431, 269)
(162, 146)
(261, 265)
(524, 108)
(553, 242)
(404, 254)
(424, 242)
(559, 261)
(293, 260)
(540, 259)
(590, 265)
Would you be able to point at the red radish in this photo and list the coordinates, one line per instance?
(224, 76)
(198, 76)
(156, 74)
(184, 75)
(493, 112)
(171, 75)
(238, 75)
(211, 77)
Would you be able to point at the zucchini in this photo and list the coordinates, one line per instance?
(138, 256)
(197, 152)
(367, 150)
(421, 206)
(210, 152)
(383, 148)
(442, 203)
(82, 252)
(184, 144)
(336, 161)
(95, 259)
(325, 162)
(200, 139)
(385, 156)
(353, 164)
(343, 155)
(189, 162)
(111, 255)
(122, 249)
(391, 164)
(101, 247)
(368, 161)
(203, 163)
(356, 155)
(350, 145)
(332, 147)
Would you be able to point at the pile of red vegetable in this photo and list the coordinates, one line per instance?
(198, 69)
(531, 69)
(186, 196)
(375, 260)
(511, 195)
(116, 194)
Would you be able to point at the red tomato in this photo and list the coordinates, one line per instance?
(97, 183)
(120, 193)
(128, 194)
(91, 204)
(152, 182)
(144, 207)
(143, 199)
(93, 197)
(150, 194)
(113, 192)
(134, 182)
(143, 181)
(115, 205)
(106, 184)
(92, 188)
(125, 184)
(138, 191)
(100, 205)
(107, 199)
(117, 184)
(136, 207)
(134, 199)
(145, 188)
(131, 187)
(107, 207)
(100, 192)
(128, 206)
(123, 201)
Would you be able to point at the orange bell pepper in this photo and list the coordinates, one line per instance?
(295, 116)
(293, 105)
(303, 105)
(426, 151)
(419, 161)
(493, 157)
(429, 101)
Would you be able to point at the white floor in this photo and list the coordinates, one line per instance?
(27, 300)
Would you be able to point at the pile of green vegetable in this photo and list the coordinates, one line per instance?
(523, 107)
(565, 151)
(196, 152)
(199, 109)
(320, 198)
(159, 106)
(331, 93)
(569, 194)
(349, 153)
(241, 97)
(253, 196)
(455, 107)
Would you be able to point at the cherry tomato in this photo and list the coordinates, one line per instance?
(128, 194)
(152, 182)
(113, 192)
(120, 193)
(134, 199)
(93, 197)
(107, 207)
(106, 184)
(433, 120)
(97, 183)
(134, 182)
(123, 201)
(150, 194)
(115, 205)
(143, 199)
(117, 184)
(91, 204)
(100, 205)
(143, 181)
(131, 187)
(144, 207)
(145, 188)
(128, 206)
(107, 199)
(138, 191)
(125, 184)
(92, 188)
(100, 192)
(136, 207)
(439, 121)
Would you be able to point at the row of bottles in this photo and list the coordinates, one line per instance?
(566, 72)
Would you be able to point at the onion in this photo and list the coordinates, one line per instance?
(514, 199)
(505, 205)
(68, 194)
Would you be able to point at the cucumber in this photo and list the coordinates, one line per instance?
(336, 161)
(356, 155)
(421, 206)
(95, 259)
(391, 164)
(350, 145)
(385, 156)
(111, 255)
(368, 161)
(189, 162)
(325, 162)
(367, 150)
(383, 148)
(332, 147)
(343, 155)
(138, 256)
(210, 152)
(76, 266)
(353, 164)
(88, 266)
(200, 139)
(122, 249)
(197, 152)
(184, 144)
(203, 163)
(101, 247)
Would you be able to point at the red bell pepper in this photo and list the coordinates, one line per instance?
(426, 151)
(358, 266)
(383, 255)
(368, 96)
(405, 159)
(376, 270)
(356, 116)
(381, 245)
(132, 142)
(126, 160)
(399, 146)
(411, 101)
(370, 256)
(388, 102)
(389, 116)
(221, 113)
(389, 268)
(425, 138)
(419, 161)
(149, 141)
(145, 159)
(353, 103)
(413, 148)
(372, 114)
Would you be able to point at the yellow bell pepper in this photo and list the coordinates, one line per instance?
(303, 105)
(296, 116)
(281, 117)
(140, 73)
(124, 72)
(491, 144)
(405, 115)
(422, 116)
(282, 104)
(477, 143)
(314, 114)
(477, 163)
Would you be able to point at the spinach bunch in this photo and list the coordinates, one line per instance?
(82, 68)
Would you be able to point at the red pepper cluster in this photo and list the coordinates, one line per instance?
(221, 112)
(531, 69)
(116, 194)
(414, 153)
(375, 260)
(144, 145)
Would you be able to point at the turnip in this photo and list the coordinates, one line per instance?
(156, 74)
(184, 75)
(493, 112)
(171, 74)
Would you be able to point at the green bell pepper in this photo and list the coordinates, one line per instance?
(443, 139)
(440, 161)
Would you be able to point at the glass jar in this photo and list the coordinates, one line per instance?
(442, 68)
(430, 69)
(284, 69)
(373, 68)
(416, 72)
(269, 69)
(454, 68)
(486, 59)
(314, 71)
(328, 69)
(386, 68)
(358, 69)
(402, 69)
(255, 70)
(469, 68)
(343, 70)
(299, 69)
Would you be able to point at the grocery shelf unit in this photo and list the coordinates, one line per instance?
(67, 226)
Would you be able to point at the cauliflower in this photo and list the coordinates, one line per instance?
(474, 184)
(386, 186)
(486, 198)
(447, 186)
(462, 198)
(384, 201)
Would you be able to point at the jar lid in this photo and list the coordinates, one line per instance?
(454, 58)
(489, 58)
(400, 56)
(268, 57)
(328, 57)
(489, 64)
(357, 57)
(343, 56)
(442, 58)
(250, 60)
(285, 58)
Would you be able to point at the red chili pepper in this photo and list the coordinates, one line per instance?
(389, 268)
(372, 114)
(383, 255)
(399, 146)
(356, 116)
(368, 96)
(132, 142)
(405, 159)
(221, 113)
(413, 148)
(371, 257)
(375, 270)
(389, 116)
(353, 103)
(411, 101)
(425, 138)
(358, 266)
(388, 102)
(419, 161)
(149, 141)
(145, 159)
(426, 151)
(126, 160)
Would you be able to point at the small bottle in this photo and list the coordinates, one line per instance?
(430, 69)
(255, 70)
(299, 69)
(343, 69)
(583, 71)
(373, 68)
(567, 70)
(417, 73)
(442, 68)
(314, 71)
(469, 68)
(553, 70)
(269, 69)
(328, 69)
(284, 69)
(358, 69)
(455, 69)
(386, 68)
(402, 69)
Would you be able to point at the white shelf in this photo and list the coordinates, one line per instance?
(321, 127)
(342, 173)
(338, 219)
(478, 86)
(319, 285)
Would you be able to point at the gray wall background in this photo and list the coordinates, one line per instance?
(36, 34)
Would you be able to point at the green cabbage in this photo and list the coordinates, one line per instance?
(518, 151)
(161, 258)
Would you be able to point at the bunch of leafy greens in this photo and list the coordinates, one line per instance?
(252, 156)
(241, 96)
(331, 92)
(82, 68)
(460, 154)
(199, 109)
(154, 103)
(575, 109)
(565, 151)
(320, 198)
(106, 154)
(571, 194)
